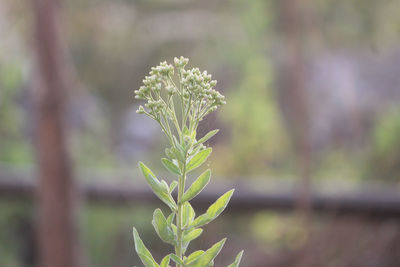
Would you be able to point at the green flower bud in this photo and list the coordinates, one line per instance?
(213, 83)
(170, 89)
(180, 62)
(140, 110)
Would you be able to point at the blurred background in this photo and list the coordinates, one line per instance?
(310, 135)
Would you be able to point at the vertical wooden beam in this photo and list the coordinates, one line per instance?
(294, 93)
(56, 192)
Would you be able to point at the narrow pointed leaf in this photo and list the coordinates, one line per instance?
(192, 235)
(237, 260)
(185, 130)
(169, 153)
(165, 261)
(192, 257)
(172, 186)
(193, 135)
(188, 214)
(179, 147)
(162, 228)
(198, 159)
(194, 150)
(170, 218)
(148, 262)
(187, 219)
(207, 257)
(214, 210)
(149, 175)
(197, 186)
(164, 185)
(207, 137)
(170, 166)
(175, 258)
(159, 188)
(142, 251)
(178, 155)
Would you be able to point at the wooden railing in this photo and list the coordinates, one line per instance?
(374, 204)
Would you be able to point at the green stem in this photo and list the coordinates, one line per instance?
(188, 110)
(175, 121)
(181, 188)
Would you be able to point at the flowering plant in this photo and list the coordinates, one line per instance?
(178, 103)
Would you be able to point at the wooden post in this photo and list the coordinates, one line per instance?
(56, 193)
(294, 93)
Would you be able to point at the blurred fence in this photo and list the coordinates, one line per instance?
(371, 203)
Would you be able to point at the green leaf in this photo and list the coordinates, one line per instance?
(179, 147)
(185, 130)
(188, 143)
(165, 261)
(159, 188)
(214, 210)
(142, 251)
(188, 236)
(170, 166)
(170, 218)
(178, 154)
(193, 134)
(207, 137)
(198, 159)
(194, 150)
(168, 153)
(207, 257)
(164, 185)
(172, 186)
(146, 260)
(197, 186)
(192, 257)
(175, 258)
(192, 235)
(162, 228)
(188, 214)
(237, 260)
(188, 139)
(175, 229)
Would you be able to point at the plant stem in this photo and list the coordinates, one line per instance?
(181, 188)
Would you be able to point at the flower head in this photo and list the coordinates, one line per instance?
(192, 88)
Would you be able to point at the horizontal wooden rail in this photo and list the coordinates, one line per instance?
(376, 204)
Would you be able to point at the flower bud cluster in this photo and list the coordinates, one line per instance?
(156, 106)
(151, 84)
(181, 62)
(164, 70)
(195, 90)
(200, 87)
